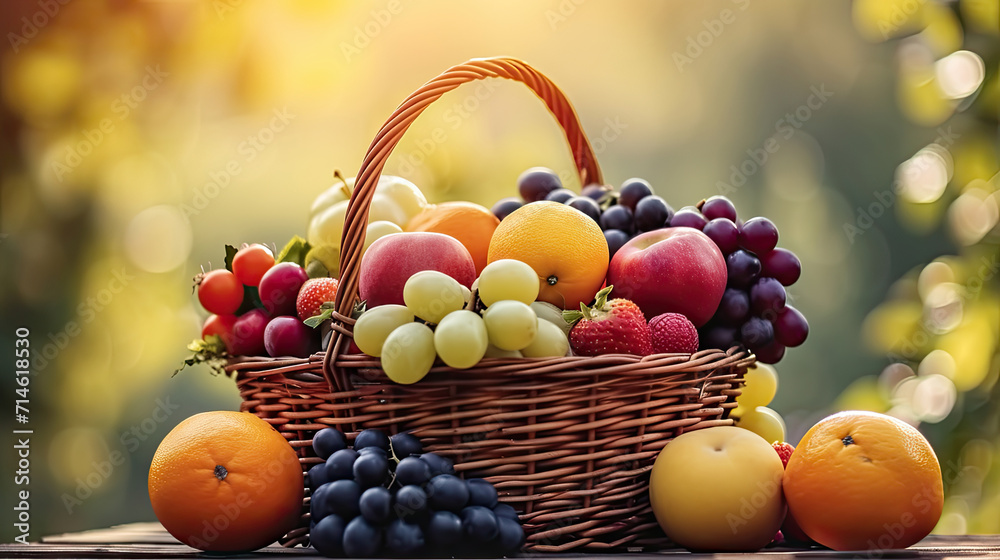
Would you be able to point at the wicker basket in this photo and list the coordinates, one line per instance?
(568, 442)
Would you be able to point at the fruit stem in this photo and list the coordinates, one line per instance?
(221, 472)
(552, 280)
(343, 183)
(848, 440)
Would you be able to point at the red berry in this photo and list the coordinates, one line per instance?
(220, 292)
(784, 450)
(251, 262)
(610, 327)
(313, 294)
(221, 326)
(673, 333)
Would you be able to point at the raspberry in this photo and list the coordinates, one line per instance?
(673, 333)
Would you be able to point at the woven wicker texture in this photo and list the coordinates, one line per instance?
(567, 441)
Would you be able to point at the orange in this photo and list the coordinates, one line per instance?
(226, 481)
(864, 481)
(565, 247)
(471, 224)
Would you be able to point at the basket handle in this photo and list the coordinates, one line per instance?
(353, 238)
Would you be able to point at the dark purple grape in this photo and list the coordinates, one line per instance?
(756, 333)
(791, 327)
(438, 464)
(506, 510)
(479, 524)
(633, 191)
(248, 334)
(596, 192)
(403, 445)
(718, 336)
(318, 476)
(505, 206)
(376, 504)
(615, 238)
(618, 217)
(288, 336)
(719, 207)
(328, 535)
(734, 308)
(411, 503)
(743, 269)
(319, 506)
(511, 537)
(371, 469)
(361, 538)
(447, 492)
(689, 216)
(782, 265)
(327, 441)
(770, 354)
(724, 233)
(280, 286)
(586, 205)
(560, 195)
(536, 183)
(758, 235)
(403, 538)
(412, 470)
(340, 465)
(371, 438)
(652, 212)
(341, 498)
(767, 298)
(481, 493)
(444, 529)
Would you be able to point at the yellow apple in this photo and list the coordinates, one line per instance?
(718, 488)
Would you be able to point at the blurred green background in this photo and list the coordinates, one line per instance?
(140, 137)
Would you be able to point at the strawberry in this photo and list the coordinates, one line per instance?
(313, 294)
(609, 327)
(673, 333)
(784, 450)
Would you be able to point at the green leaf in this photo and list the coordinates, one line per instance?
(210, 351)
(230, 253)
(326, 312)
(251, 300)
(295, 251)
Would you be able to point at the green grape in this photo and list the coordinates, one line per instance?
(761, 384)
(512, 325)
(764, 422)
(460, 339)
(494, 352)
(552, 314)
(408, 353)
(431, 295)
(374, 326)
(508, 279)
(550, 342)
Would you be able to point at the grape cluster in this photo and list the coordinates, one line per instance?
(622, 215)
(753, 310)
(438, 321)
(385, 496)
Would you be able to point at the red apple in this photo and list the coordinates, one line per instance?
(392, 259)
(670, 270)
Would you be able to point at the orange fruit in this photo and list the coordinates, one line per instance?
(565, 247)
(226, 481)
(864, 481)
(471, 224)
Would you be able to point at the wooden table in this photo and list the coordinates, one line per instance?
(150, 540)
